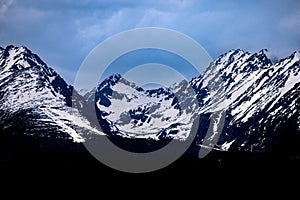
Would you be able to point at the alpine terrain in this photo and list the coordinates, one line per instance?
(243, 102)
(35, 101)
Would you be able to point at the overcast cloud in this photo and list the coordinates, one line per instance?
(63, 32)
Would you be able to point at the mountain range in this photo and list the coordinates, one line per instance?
(242, 102)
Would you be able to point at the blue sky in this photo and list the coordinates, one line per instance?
(63, 32)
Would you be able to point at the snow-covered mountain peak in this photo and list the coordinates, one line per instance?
(113, 80)
(229, 57)
(263, 60)
(132, 111)
(18, 58)
(259, 98)
(29, 87)
(262, 52)
(233, 82)
(296, 55)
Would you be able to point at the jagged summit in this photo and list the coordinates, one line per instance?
(114, 77)
(248, 86)
(110, 81)
(260, 99)
(21, 58)
(34, 94)
(296, 54)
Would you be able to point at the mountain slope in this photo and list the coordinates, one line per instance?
(257, 97)
(242, 102)
(255, 94)
(35, 100)
(137, 113)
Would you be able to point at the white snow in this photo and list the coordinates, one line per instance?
(161, 117)
(225, 146)
(290, 83)
(24, 92)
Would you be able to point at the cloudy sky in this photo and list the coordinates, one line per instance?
(63, 32)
